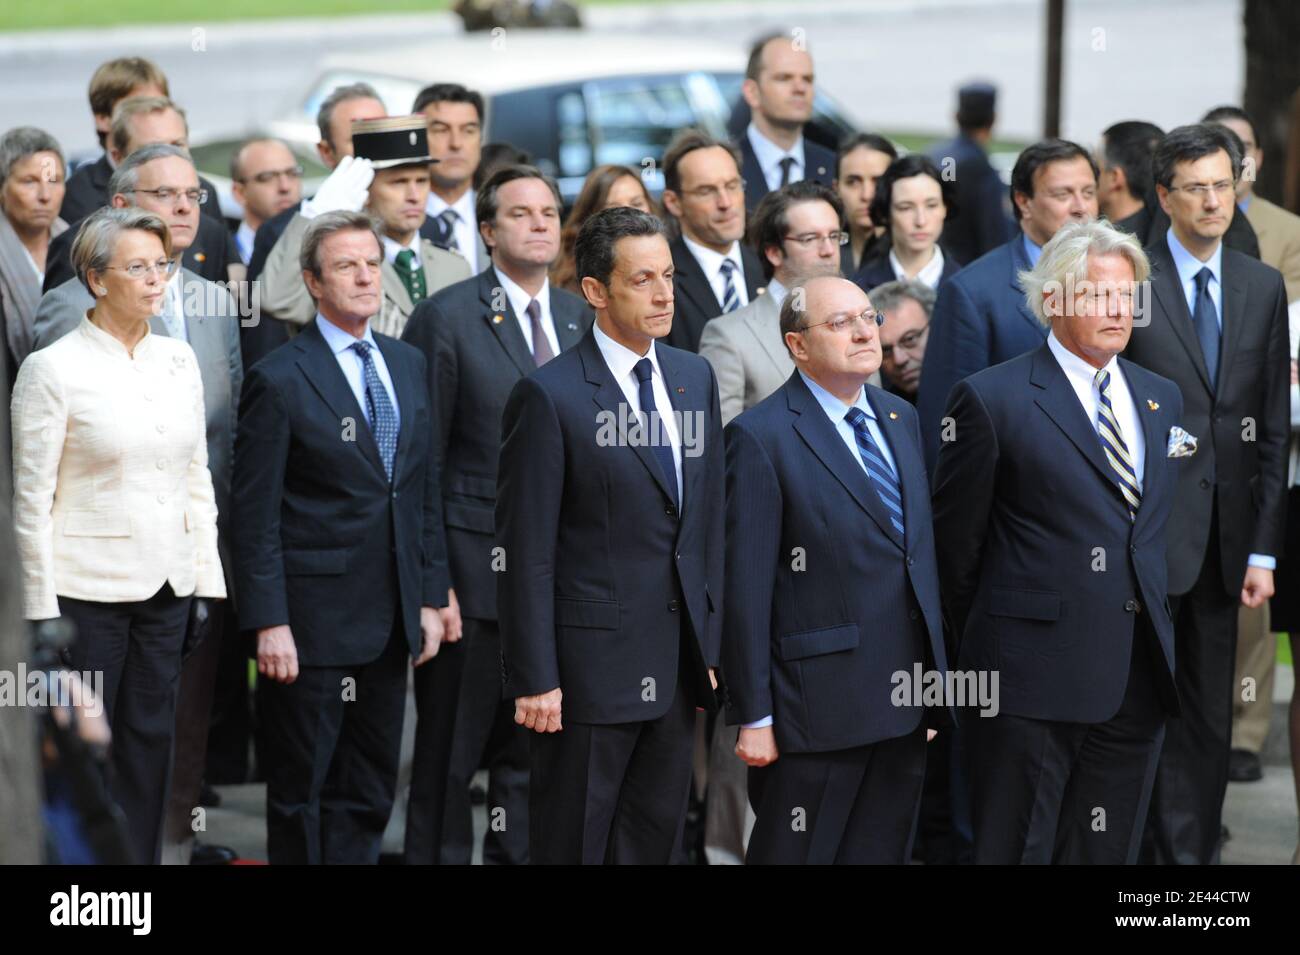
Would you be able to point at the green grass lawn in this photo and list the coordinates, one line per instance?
(18, 15)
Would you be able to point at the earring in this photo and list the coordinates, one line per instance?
(101, 290)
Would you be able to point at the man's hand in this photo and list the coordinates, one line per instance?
(713, 676)
(451, 623)
(345, 189)
(540, 713)
(757, 747)
(1257, 587)
(431, 631)
(277, 656)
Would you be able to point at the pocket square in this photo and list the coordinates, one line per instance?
(1181, 444)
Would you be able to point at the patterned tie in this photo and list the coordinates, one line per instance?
(448, 219)
(1112, 442)
(659, 442)
(1205, 319)
(541, 345)
(882, 475)
(730, 297)
(411, 272)
(787, 163)
(379, 410)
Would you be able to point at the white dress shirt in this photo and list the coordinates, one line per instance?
(1083, 379)
(519, 300)
(244, 238)
(621, 360)
(112, 493)
(711, 264)
(836, 411)
(392, 248)
(171, 308)
(465, 229)
(769, 156)
(354, 369)
(930, 273)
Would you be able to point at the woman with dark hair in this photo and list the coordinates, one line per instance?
(861, 161)
(606, 187)
(912, 201)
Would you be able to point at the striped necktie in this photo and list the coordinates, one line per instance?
(447, 219)
(882, 475)
(730, 297)
(1112, 442)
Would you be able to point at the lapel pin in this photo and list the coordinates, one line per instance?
(1153, 405)
(572, 327)
(893, 415)
(681, 391)
(200, 257)
(498, 319)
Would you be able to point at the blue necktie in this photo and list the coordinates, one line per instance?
(1116, 450)
(383, 419)
(730, 297)
(882, 475)
(1205, 319)
(659, 443)
(447, 219)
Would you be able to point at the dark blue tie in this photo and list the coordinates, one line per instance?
(659, 442)
(383, 419)
(1205, 319)
(882, 475)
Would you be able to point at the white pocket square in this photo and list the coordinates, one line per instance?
(1181, 444)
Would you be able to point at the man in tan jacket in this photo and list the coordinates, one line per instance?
(388, 176)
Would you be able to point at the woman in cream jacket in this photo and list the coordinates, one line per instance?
(113, 503)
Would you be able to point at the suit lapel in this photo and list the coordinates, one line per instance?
(407, 399)
(752, 173)
(1233, 297)
(1152, 485)
(504, 323)
(763, 321)
(1020, 263)
(322, 370)
(1168, 291)
(567, 316)
(394, 290)
(691, 282)
(908, 462)
(824, 441)
(690, 408)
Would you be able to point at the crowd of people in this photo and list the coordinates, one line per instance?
(661, 511)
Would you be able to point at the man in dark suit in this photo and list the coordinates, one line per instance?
(980, 317)
(1217, 326)
(778, 88)
(480, 336)
(830, 469)
(1124, 180)
(715, 273)
(978, 221)
(1050, 509)
(609, 521)
(340, 564)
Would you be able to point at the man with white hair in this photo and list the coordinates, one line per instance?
(1050, 510)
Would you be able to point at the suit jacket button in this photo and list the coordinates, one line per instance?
(673, 605)
(1205, 483)
(914, 614)
(670, 511)
(394, 495)
(1131, 606)
(911, 561)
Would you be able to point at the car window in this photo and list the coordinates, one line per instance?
(631, 120)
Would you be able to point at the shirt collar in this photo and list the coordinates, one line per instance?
(1032, 249)
(769, 154)
(106, 341)
(930, 273)
(777, 291)
(834, 408)
(340, 341)
(464, 206)
(711, 262)
(244, 237)
(1188, 265)
(392, 248)
(619, 358)
(519, 298)
(1075, 367)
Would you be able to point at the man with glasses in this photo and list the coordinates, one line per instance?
(906, 306)
(161, 179)
(267, 179)
(715, 274)
(829, 469)
(1216, 325)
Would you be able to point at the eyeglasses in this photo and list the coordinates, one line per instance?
(907, 343)
(734, 187)
(166, 194)
(1200, 190)
(270, 175)
(838, 325)
(809, 239)
(138, 270)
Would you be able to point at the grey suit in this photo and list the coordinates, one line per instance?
(747, 354)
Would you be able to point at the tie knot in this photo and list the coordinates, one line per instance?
(787, 162)
(534, 309)
(727, 268)
(406, 259)
(1203, 279)
(362, 349)
(856, 417)
(449, 216)
(1103, 379)
(644, 370)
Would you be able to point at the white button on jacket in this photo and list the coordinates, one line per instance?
(112, 494)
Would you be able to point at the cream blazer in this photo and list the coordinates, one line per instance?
(112, 494)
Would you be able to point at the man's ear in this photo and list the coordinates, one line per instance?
(672, 203)
(749, 90)
(596, 294)
(486, 230)
(774, 255)
(1162, 196)
(118, 201)
(326, 153)
(313, 284)
(797, 346)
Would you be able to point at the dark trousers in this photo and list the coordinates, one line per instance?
(612, 793)
(137, 648)
(437, 687)
(230, 729)
(333, 740)
(485, 733)
(1187, 804)
(1068, 793)
(849, 807)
